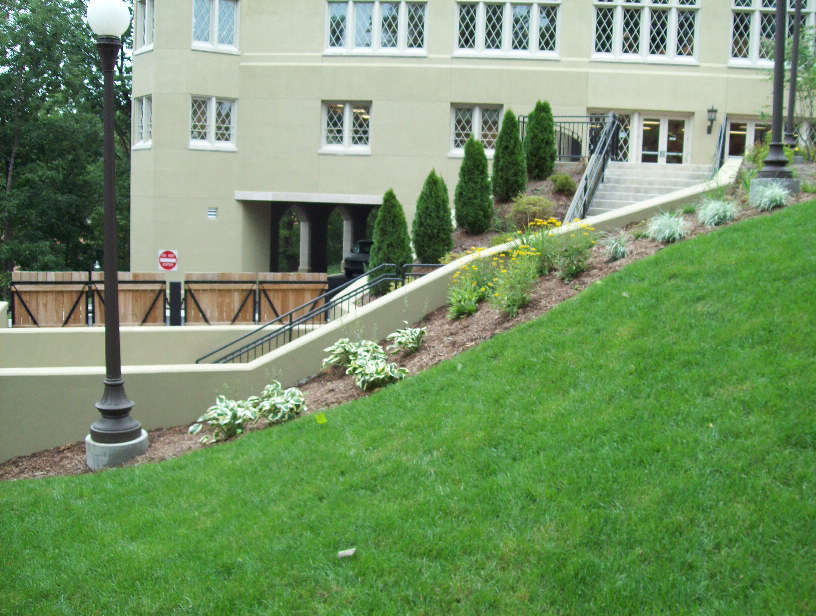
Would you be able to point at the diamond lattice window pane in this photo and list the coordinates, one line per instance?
(150, 23)
(624, 138)
(416, 25)
(389, 25)
(223, 120)
(202, 13)
(490, 128)
(462, 126)
(631, 31)
(547, 27)
(659, 33)
(334, 124)
(494, 24)
(768, 4)
(198, 119)
(138, 114)
(147, 111)
(227, 15)
(521, 26)
(604, 26)
(467, 26)
(767, 33)
(792, 24)
(689, 2)
(337, 24)
(364, 22)
(686, 21)
(360, 125)
(741, 35)
(743, 3)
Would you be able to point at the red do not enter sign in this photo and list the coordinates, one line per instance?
(168, 260)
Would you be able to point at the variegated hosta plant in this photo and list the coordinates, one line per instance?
(408, 339)
(344, 352)
(227, 418)
(278, 405)
(371, 373)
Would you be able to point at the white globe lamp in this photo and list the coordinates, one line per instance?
(108, 17)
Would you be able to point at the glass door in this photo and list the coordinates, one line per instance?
(662, 140)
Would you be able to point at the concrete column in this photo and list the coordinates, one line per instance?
(355, 218)
(305, 239)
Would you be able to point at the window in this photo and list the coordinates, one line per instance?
(369, 27)
(753, 29)
(506, 28)
(212, 123)
(651, 30)
(480, 121)
(143, 31)
(744, 135)
(142, 121)
(215, 25)
(346, 128)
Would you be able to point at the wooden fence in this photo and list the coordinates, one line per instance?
(75, 299)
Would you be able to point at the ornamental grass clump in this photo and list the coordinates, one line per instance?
(668, 227)
(714, 212)
(770, 196)
(615, 244)
(407, 340)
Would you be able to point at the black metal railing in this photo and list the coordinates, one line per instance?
(719, 155)
(321, 310)
(606, 146)
(575, 136)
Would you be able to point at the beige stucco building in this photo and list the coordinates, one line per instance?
(243, 108)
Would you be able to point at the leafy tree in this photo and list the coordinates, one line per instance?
(51, 138)
(391, 241)
(805, 88)
(433, 228)
(509, 167)
(472, 201)
(539, 142)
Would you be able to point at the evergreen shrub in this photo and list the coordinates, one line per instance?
(433, 227)
(539, 142)
(563, 184)
(391, 241)
(472, 201)
(509, 166)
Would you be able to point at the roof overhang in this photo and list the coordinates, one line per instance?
(292, 197)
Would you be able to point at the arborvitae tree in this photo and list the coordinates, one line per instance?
(433, 228)
(391, 241)
(509, 167)
(474, 206)
(539, 142)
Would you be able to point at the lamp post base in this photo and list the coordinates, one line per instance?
(107, 455)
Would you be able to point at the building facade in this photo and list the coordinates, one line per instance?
(245, 108)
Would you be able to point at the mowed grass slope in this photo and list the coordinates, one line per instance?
(646, 448)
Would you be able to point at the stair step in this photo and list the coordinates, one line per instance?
(657, 167)
(634, 176)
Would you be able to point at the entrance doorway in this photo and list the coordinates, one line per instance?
(663, 140)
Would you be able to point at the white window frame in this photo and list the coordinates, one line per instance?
(210, 143)
(145, 26)
(346, 148)
(213, 44)
(476, 128)
(674, 7)
(507, 50)
(755, 9)
(142, 122)
(750, 131)
(376, 47)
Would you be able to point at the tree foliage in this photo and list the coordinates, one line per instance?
(51, 138)
(509, 167)
(539, 142)
(391, 241)
(472, 201)
(433, 228)
(805, 109)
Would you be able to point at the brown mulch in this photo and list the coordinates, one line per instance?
(445, 339)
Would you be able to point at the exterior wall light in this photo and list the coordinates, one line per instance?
(712, 117)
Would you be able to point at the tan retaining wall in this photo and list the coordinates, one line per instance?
(48, 407)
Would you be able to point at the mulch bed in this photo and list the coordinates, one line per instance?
(445, 339)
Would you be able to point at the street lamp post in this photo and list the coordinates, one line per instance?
(116, 436)
(790, 128)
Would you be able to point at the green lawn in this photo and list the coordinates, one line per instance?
(646, 448)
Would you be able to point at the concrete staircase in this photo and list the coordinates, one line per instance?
(627, 183)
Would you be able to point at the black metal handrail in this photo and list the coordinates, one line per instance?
(595, 170)
(575, 136)
(719, 155)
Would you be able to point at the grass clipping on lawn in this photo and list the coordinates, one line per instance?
(647, 447)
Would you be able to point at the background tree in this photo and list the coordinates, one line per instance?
(472, 201)
(509, 167)
(539, 142)
(433, 228)
(391, 241)
(51, 138)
